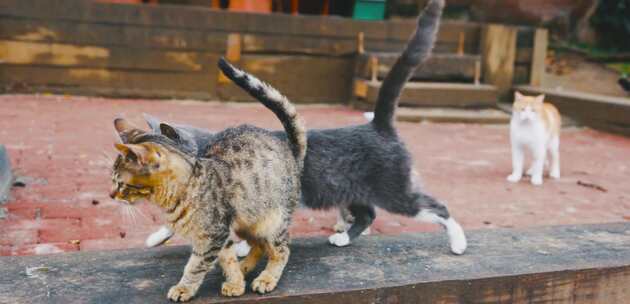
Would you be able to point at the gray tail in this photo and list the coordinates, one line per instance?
(417, 51)
(274, 101)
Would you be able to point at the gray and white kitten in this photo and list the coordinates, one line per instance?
(358, 168)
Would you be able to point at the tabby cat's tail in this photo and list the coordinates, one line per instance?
(273, 100)
(417, 51)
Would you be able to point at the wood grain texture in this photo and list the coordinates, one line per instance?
(498, 46)
(435, 94)
(562, 264)
(438, 67)
(541, 39)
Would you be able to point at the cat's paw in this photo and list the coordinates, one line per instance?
(233, 289)
(242, 249)
(555, 174)
(264, 283)
(339, 239)
(340, 226)
(530, 171)
(159, 237)
(537, 180)
(367, 231)
(456, 236)
(513, 178)
(180, 293)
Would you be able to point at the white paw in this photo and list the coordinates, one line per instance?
(367, 231)
(555, 174)
(456, 236)
(339, 239)
(537, 180)
(368, 115)
(242, 249)
(530, 172)
(159, 237)
(513, 178)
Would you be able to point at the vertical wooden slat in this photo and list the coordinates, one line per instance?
(498, 51)
(232, 53)
(541, 38)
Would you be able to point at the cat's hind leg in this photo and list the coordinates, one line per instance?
(432, 211)
(363, 217)
(277, 251)
(554, 151)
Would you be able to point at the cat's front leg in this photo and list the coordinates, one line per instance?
(517, 163)
(538, 166)
(202, 259)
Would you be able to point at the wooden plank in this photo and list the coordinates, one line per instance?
(28, 76)
(422, 94)
(280, 44)
(450, 115)
(563, 264)
(182, 17)
(116, 35)
(599, 111)
(498, 45)
(541, 38)
(446, 67)
(69, 55)
(301, 78)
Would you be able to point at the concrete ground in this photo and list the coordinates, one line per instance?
(62, 148)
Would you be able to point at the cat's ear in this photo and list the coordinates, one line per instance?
(134, 152)
(170, 132)
(126, 130)
(540, 98)
(518, 95)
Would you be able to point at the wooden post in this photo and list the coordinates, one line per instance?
(360, 43)
(498, 54)
(541, 38)
(460, 44)
(477, 72)
(232, 53)
(373, 68)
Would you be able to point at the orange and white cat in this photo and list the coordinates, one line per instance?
(535, 126)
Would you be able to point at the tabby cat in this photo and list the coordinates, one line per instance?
(358, 167)
(248, 182)
(535, 125)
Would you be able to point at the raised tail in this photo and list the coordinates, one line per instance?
(274, 101)
(417, 51)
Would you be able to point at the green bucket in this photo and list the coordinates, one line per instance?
(369, 9)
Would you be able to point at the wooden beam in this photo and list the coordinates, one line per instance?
(498, 49)
(562, 264)
(447, 67)
(541, 38)
(303, 79)
(422, 94)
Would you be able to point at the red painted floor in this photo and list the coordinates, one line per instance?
(64, 146)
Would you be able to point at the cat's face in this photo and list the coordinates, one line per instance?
(140, 170)
(527, 108)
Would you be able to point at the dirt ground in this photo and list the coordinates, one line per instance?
(569, 71)
(62, 146)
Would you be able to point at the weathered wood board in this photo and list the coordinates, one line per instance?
(300, 78)
(451, 67)
(562, 264)
(436, 94)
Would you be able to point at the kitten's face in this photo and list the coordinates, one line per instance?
(142, 168)
(138, 170)
(527, 108)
